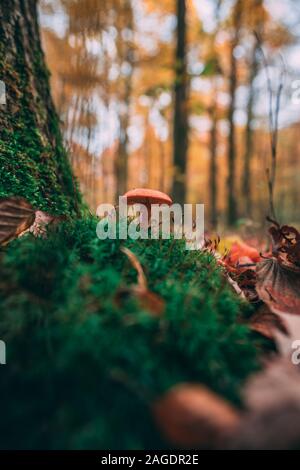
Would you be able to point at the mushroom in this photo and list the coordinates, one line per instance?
(147, 197)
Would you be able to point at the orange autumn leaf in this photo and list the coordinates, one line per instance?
(241, 252)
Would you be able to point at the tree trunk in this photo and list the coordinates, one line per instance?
(33, 162)
(247, 177)
(257, 11)
(127, 56)
(122, 157)
(180, 128)
(232, 211)
(213, 165)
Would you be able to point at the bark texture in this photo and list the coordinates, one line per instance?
(33, 162)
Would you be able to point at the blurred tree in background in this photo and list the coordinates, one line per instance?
(180, 127)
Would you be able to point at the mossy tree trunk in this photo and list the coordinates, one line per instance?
(33, 162)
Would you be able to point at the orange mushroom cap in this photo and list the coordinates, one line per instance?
(147, 197)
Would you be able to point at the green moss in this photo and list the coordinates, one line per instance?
(82, 367)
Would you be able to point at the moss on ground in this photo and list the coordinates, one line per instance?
(82, 368)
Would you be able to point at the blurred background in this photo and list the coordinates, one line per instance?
(175, 95)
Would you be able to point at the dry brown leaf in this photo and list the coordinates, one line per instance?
(16, 216)
(267, 323)
(278, 286)
(192, 416)
(286, 243)
(147, 299)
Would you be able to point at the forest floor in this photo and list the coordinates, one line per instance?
(148, 333)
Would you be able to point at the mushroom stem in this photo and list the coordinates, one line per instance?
(146, 219)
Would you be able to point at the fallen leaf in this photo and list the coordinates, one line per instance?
(192, 416)
(240, 251)
(225, 244)
(278, 286)
(267, 323)
(242, 278)
(16, 216)
(286, 244)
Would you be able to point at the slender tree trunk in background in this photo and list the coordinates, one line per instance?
(257, 11)
(33, 163)
(213, 173)
(232, 210)
(147, 151)
(180, 127)
(163, 163)
(247, 176)
(71, 124)
(127, 56)
(213, 112)
(122, 157)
